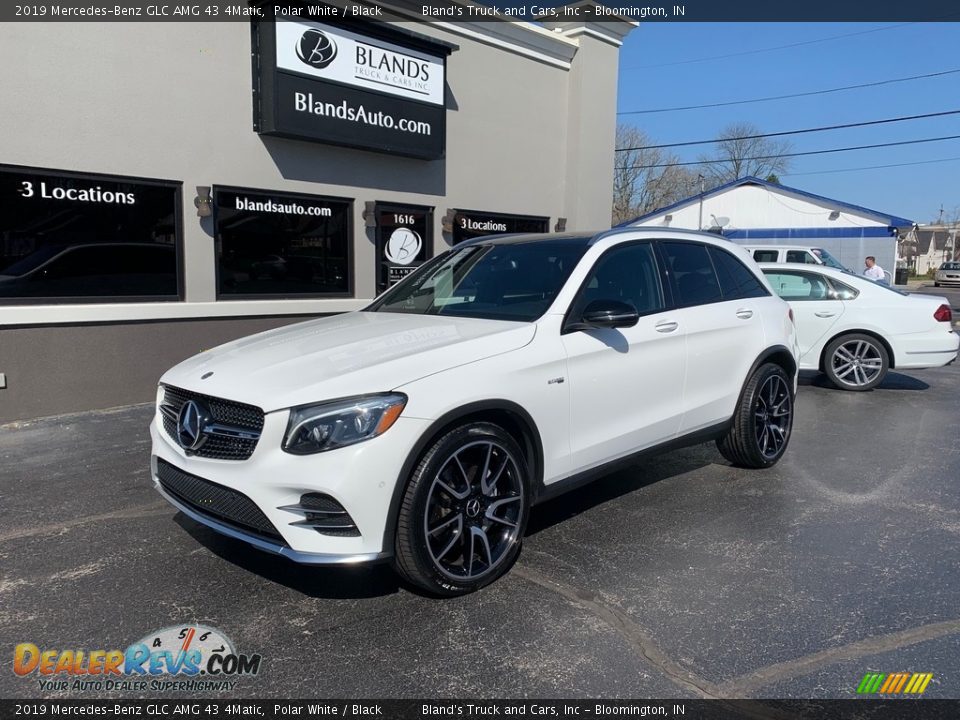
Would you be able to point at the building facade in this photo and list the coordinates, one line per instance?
(751, 210)
(177, 185)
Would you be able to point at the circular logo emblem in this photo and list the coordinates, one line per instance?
(191, 425)
(316, 49)
(473, 508)
(199, 641)
(403, 246)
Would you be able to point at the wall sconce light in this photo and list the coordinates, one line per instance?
(370, 214)
(835, 215)
(561, 225)
(202, 201)
(447, 221)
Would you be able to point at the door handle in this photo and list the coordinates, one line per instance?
(744, 314)
(825, 313)
(666, 326)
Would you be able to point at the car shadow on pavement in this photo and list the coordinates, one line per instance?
(893, 381)
(365, 581)
(621, 482)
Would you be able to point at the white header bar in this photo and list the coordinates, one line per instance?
(330, 53)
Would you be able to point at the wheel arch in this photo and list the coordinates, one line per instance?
(778, 354)
(891, 359)
(509, 415)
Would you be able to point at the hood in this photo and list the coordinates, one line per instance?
(343, 355)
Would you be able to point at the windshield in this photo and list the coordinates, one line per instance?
(828, 259)
(950, 266)
(510, 281)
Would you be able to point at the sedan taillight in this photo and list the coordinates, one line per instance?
(943, 314)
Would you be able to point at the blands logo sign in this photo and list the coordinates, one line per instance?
(340, 56)
(316, 49)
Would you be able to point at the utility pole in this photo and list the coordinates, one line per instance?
(700, 221)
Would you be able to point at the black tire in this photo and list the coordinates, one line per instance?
(856, 362)
(760, 430)
(447, 491)
(936, 284)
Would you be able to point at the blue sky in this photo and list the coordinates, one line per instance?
(654, 74)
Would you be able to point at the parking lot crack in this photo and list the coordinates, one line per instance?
(625, 627)
(754, 681)
(137, 511)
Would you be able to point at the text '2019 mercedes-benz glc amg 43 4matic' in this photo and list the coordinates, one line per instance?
(500, 373)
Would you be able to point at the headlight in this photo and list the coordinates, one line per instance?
(328, 426)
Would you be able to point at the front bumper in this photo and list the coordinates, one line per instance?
(361, 478)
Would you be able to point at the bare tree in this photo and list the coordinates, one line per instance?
(639, 188)
(738, 154)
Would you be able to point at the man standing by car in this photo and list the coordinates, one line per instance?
(873, 271)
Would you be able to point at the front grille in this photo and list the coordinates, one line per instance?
(225, 412)
(215, 501)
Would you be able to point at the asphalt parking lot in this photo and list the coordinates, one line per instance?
(682, 577)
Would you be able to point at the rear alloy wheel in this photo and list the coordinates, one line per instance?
(760, 430)
(856, 362)
(464, 511)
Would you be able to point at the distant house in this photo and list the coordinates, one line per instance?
(757, 211)
(926, 246)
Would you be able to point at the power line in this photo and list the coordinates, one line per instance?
(796, 154)
(792, 132)
(871, 167)
(793, 95)
(768, 49)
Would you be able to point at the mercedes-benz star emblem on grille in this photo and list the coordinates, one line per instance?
(316, 49)
(192, 424)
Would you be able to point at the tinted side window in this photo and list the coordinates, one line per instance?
(629, 274)
(799, 285)
(766, 255)
(694, 280)
(736, 281)
(801, 256)
(844, 291)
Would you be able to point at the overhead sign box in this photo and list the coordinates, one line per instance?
(350, 86)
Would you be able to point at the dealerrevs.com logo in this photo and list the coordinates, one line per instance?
(316, 49)
(177, 658)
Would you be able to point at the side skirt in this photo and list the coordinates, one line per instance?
(548, 492)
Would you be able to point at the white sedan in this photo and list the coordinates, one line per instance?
(855, 330)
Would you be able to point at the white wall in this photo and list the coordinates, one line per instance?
(754, 206)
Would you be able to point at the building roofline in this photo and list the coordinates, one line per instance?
(891, 220)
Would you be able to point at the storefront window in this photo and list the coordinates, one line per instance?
(404, 241)
(282, 244)
(469, 224)
(73, 237)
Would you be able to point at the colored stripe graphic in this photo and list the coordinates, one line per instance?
(891, 683)
(918, 683)
(894, 683)
(871, 683)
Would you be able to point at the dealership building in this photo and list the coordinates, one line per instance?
(169, 186)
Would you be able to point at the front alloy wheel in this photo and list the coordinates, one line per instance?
(760, 429)
(464, 511)
(856, 362)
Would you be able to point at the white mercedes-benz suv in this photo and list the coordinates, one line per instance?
(501, 373)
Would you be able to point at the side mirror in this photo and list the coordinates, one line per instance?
(609, 314)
